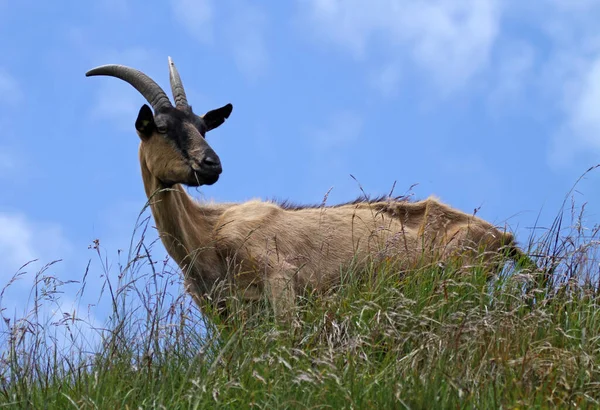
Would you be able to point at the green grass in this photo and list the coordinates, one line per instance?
(438, 337)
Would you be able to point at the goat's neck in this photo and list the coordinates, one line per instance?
(185, 227)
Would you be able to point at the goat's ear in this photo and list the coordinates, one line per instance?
(214, 118)
(144, 124)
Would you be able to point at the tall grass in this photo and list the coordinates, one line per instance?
(438, 337)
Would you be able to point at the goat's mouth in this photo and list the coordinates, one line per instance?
(200, 177)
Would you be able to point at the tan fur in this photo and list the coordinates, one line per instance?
(261, 248)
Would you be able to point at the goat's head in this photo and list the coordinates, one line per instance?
(173, 137)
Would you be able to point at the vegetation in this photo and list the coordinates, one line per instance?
(438, 337)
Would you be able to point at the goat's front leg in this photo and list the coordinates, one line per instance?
(281, 284)
(278, 278)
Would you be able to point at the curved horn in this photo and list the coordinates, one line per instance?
(177, 86)
(140, 81)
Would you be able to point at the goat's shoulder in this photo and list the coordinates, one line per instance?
(240, 220)
(250, 211)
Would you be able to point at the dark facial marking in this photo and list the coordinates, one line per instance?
(175, 120)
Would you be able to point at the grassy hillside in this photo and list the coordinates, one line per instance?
(438, 337)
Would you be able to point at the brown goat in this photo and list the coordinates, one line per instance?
(268, 248)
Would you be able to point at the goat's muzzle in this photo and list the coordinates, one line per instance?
(206, 171)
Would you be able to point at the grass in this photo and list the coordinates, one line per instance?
(434, 338)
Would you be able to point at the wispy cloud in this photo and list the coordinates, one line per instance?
(514, 72)
(241, 32)
(451, 40)
(570, 75)
(115, 104)
(580, 131)
(23, 240)
(341, 130)
(9, 163)
(114, 8)
(247, 39)
(133, 56)
(585, 115)
(197, 18)
(115, 100)
(10, 91)
(386, 79)
(332, 141)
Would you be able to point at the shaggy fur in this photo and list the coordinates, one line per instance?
(279, 250)
(263, 247)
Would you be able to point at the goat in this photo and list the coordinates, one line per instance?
(264, 248)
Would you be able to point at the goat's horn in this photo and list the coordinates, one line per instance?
(140, 81)
(177, 86)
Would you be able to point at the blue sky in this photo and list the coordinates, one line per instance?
(485, 103)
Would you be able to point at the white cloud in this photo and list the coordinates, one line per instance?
(451, 42)
(331, 143)
(137, 57)
(196, 16)
(8, 163)
(585, 117)
(116, 100)
(10, 90)
(114, 8)
(343, 129)
(450, 39)
(581, 129)
(513, 73)
(386, 79)
(22, 240)
(242, 28)
(118, 105)
(246, 36)
(569, 74)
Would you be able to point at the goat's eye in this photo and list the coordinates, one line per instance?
(162, 129)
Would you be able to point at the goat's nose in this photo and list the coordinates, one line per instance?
(212, 163)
